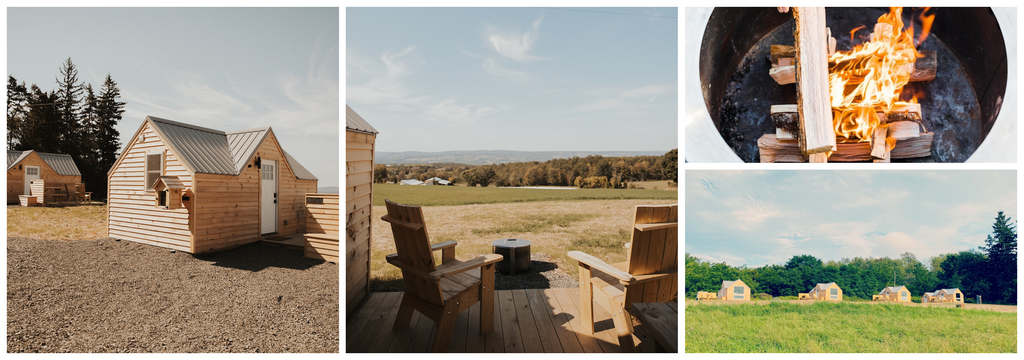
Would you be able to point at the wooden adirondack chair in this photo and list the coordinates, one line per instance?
(648, 276)
(438, 292)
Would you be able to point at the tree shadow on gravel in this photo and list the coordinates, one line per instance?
(255, 257)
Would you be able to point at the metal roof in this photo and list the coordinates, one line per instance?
(60, 163)
(300, 171)
(950, 291)
(243, 144)
(209, 151)
(354, 122)
(824, 286)
(892, 289)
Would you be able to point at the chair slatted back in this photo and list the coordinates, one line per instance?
(654, 251)
(413, 247)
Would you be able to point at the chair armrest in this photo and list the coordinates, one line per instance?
(393, 260)
(652, 277)
(405, 224)
(604, 267)
(656, 226)
(443, 245)
(459, 267)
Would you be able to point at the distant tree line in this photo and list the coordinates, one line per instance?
(593, 171)
(989, 271)
(73, 119)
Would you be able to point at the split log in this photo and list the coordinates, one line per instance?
(889, 144)
(784, 74)
(812, 88)
(924, 68)
(901, 112)
(786, 120)
(773, 150)
(902, 130)
(879, 149)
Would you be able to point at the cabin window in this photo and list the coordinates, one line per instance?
(154, 164)
(739, 296)
(903, 295)
(835, 294)
(738, 290)
(32, 171)
(958, 296)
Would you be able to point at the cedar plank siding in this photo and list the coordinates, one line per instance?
(358, 203)
(231, 204)
(16, 177)
(131, 214)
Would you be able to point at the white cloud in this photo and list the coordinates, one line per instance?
(492, 67)
(514, 44)
(629, 101)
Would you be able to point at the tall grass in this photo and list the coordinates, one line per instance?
(844, 327)
(464, 195)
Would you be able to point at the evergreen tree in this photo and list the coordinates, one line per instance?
(1001, 248)
(68, 108)
(38, 131)
(17, 111)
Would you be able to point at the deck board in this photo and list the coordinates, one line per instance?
(534, 320)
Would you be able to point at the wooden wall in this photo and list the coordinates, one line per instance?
(228, 207)
(16, 177)
(130, 211)
(322, 227)
(358, 204)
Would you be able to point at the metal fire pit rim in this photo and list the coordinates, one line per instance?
(704, 144)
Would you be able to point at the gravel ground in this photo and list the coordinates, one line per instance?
(543, 274)
(118, 296)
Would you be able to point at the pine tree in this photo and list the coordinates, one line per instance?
(89, 153)
(17, 111)
(38, 130)
(69, 107)
(105, 134)
(1001, 248)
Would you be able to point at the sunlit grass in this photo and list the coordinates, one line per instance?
(463, 195)
(57, 223)
(845, 327)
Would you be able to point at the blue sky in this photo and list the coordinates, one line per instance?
(762, 217)
(589, 79)
(222, 68)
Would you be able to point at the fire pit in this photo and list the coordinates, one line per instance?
(729, 93)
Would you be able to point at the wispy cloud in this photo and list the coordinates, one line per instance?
(515, 44)
(629, 101)
(492, 67)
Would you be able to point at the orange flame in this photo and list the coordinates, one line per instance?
(926, 25)
(870, 77)
(855, 30)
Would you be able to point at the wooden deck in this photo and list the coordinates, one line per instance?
(291, 242)
(533, 320)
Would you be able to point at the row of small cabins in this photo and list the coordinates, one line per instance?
(736, 290)
(197, 190)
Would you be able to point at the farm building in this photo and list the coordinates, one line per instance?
(58, 171)
(197, 190)
(829, 291)
(894, 293)
(706, 295)
(734, 290)
(360, 138)
(436, 181)
(944, 295)
(410, 182)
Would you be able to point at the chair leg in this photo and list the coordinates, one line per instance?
(487, 299)
(445, 327)
(586, 300)
(404, 314)
(624, 330)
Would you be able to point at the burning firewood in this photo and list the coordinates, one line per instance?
(783, 70)
(879, 148)
(774, 150)
(815, 121)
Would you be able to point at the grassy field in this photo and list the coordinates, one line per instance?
(57, 223)
(841, 327)
(463, 195)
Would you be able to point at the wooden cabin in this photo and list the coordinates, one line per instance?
(57, 171)
(197, 190)
(893, 293)
(359, 145)
(829, 291)
(322, 227)
(735, 290)
(944, 295)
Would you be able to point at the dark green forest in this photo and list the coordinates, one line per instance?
(989, 271)
(593, 171)
(73, 119)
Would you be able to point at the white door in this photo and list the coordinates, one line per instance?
(31, 173)
(268, 196)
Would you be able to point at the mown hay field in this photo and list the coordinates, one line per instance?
(555, 227)
(780, 327)
(57, 223)
(464, 195)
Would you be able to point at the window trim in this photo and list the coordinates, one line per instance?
(146, 171)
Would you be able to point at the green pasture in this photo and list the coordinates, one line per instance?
(463, 195)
